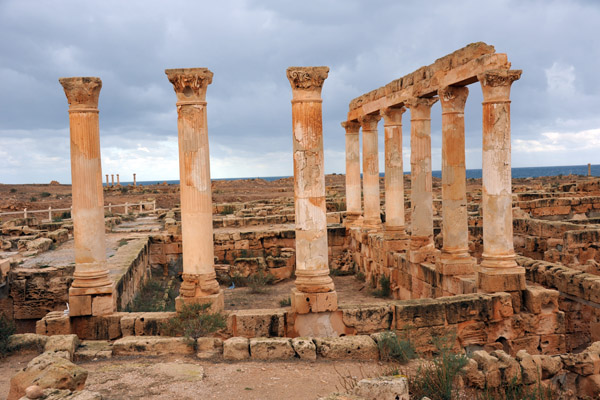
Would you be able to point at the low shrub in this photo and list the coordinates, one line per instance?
(258, 282)
(194, 321)
(7, 328)
(45, 194)
(385, 289)
(228, 209)
(285, 302)
(391, 347)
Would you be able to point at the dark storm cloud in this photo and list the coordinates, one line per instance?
(248, 45)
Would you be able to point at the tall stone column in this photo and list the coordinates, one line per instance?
(454, 258)
(199, 278)
(91, 292)
(394, 174)
(372, 214)
(112, 179)
(107, 183)
(314, 291)
(118, 180)
(421, 200)
(134, 181)
(499, 271)
(353, 187)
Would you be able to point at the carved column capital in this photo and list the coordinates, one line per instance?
(420, 107)
(82, 92)
(495, 84)
(369, 122)
(351, 127)
(190, 84)
(453, 98)
(392, 116)
(307, 82)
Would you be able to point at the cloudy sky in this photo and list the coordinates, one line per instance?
(248, 44)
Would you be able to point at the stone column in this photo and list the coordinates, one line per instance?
(314, 291)
(353, 187)
(199, 278)
(112, 179)
(589, 169)
(118, 180)
(499, 271)
(107, 183)
(372, 215)
(134, 181)
(421, 200)
(394, 174)
(91, 292)
(454, 258)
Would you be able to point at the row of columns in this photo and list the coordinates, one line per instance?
(498, 270)
(112, 183)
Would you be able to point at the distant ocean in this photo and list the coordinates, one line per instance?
(526, 172)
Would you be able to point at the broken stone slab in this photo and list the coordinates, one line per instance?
(92, 350)
(27, 342)
(57, 394)
(305, 348)
(47, 370)
(68, 343)
(358, 347)
(151, 346)
(208, 347)
(383, 388)
(271, 349)
(236, 348)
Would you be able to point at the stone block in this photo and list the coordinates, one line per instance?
(151, 346)
(368, 319)
(305, 348)
(90, 350)
(208, 347)
(553, 344)
(150, 324)
(80, 305)
(589, 387)
(68, 343)
(57, 323)
(236, 348)
(257, 323)
(383, 388)
(420, 313)
(539, 300)
(216, 300)
(360, 347)
(103, 304)
(304, 303)
(491, 280)
(27, 342)
(271, 349)
(468, 307)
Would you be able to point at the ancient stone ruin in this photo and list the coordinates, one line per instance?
(508, 269)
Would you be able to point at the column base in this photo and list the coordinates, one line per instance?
(314, 281)
(352, 219)
(372, 224)
(395, 239)
(92, 301)
(453, 264)
(217, 301)
(490, 280)
(304, 303)
(422, 250)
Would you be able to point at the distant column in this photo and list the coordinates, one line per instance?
(454, 258)
(394, 173)
(421, 201)
(499, 271)
(91, 292)
(199, 278)
(107, 182)
(112, 179)
(314, 291)
(353, 187)
(589, 169)
(118, 180)
(134, 181)
(372, 215)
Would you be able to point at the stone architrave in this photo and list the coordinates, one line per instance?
(353, 184)
(107, 182)
(91, 292)
(394, 227)
(134, 181)
(454, 258)
(199, 278)
(372, 213)
(314, 291)
(499, 270)
(421, 200)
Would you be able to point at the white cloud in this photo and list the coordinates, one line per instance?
(560, 79)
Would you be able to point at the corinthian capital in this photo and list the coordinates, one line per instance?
(190, 83)
(351, 126)
(495, 84)
(307, 82)
(369, 122)
(420, 107)
(392, 115)
(453, 98)
(82, 92)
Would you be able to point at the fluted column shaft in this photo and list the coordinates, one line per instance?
(312, 266)
(199, 278)
(372, 213)
(499, 270)
(421, 199)
(394, 170)
(91, 275)
(353, 186)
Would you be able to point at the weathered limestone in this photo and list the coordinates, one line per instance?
(421, 239)
(353, 186)
(499, 271)
(134, 181)
(372, 216)
(199, 278)
(312, 269)
(394, 173)
(454, 258)
(91, 285)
